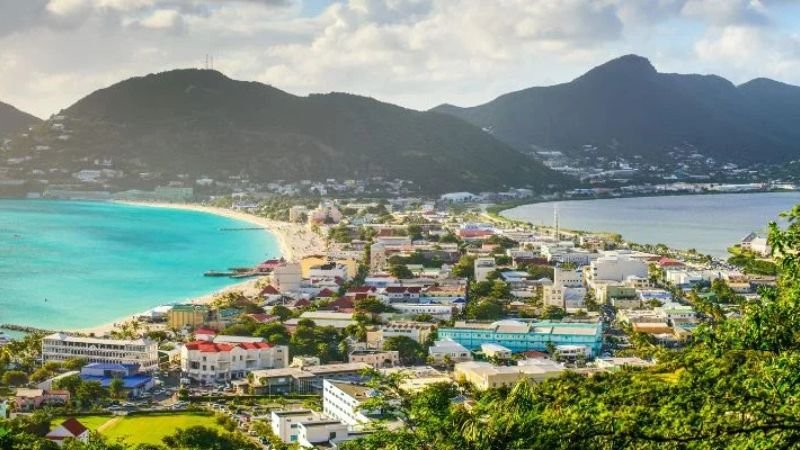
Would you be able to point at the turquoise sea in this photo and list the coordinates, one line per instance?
(707, 223)
(67, 264)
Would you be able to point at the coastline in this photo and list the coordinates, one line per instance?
(294, 240)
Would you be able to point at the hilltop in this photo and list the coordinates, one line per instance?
(13, 121)
(626, 107)
(202, 123)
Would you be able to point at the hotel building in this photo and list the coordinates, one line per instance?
(60, 347)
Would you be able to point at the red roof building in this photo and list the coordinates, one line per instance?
(269, 290)
(263, 318)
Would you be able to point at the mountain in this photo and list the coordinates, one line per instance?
(13, 121)
(626, 107)
(200, 122)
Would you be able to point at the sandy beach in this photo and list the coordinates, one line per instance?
(295, 242)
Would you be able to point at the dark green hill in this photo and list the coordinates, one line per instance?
(201, 122)
(625, 106)
(13, 121)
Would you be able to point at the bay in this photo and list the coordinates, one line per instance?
(72, 264)
(707, 223)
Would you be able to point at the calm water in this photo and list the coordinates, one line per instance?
(708, 223)
(95, 262)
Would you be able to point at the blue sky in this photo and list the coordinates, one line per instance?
(416, 53)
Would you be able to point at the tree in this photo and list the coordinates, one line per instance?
(116, 388)
(411, 352)
(70, 383)
(553, 313)
(282, 312)
(371, 305)
(74, 363)
(15, 378)
(401, 271)
(484, 309)
(538, 271)
(90, 392)
(465, 267)
(274, 333)
(199, 437)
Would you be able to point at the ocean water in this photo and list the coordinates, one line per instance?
(707, 223)
(66, 264)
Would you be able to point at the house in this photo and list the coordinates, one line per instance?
(339, 320)
(483, 267)
(484, 375)
(495, 351)
(191, 316)
(416, 331)
(30, 399)
(69, 429)
(448, 350)
(378, 359)
(263, 318)
(394, 294)
(756, 244)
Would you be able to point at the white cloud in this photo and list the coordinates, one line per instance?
(162, 19)
(414, 52)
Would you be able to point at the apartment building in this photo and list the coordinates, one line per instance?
(221, 360)
(60, 347)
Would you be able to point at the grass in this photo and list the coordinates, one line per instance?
(145, 429)
(90, 422)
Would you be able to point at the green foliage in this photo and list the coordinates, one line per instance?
(484, 309)
(309, 339)
(465, 267)
(282, 312)
(199, 437)
(401, 271)
(411, 351)
(14, 378)
(553, 313)
(372, 305)
(538, 271)
(116, 389)
(274, 333)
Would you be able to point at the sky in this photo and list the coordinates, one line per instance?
(415, 53)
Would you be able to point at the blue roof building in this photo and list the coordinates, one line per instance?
(521, 336)
(104, 373)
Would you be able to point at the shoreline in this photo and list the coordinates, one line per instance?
(294, 241)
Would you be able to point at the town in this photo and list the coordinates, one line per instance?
(409, 294)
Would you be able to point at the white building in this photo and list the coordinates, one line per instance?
(342, 401)
(60, 347)
(329, 271)
(287, 277)
(306, 427)
(568, 277)
(483, 267)
(229, 357)
(449, 349)
(495, 351)
(416, 331)
(326, 212)
(617, 266)
(441, 312)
